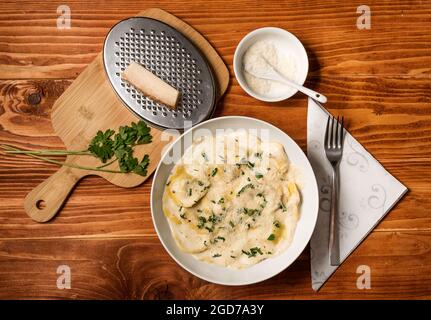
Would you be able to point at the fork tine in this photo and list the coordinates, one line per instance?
(331, 137)
(341, 132)
(326, 133)
(336, 141)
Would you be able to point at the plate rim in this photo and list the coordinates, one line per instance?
(314, 183)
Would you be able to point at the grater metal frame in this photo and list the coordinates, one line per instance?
(141, 39)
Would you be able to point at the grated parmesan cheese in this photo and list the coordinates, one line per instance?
(280, 59)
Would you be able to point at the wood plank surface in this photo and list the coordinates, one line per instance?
(335, 46)
(127, 269)
(379, 79)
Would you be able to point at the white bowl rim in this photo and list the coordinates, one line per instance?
(314, 182)
(237, 63)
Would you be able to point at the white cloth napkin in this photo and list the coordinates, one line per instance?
(367, 193)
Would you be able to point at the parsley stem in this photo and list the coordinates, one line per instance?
(60, 163)
(44, 152)
(107, 164)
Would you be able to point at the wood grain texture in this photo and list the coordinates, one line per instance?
(335, 45)
(127, 269)
(87, 106)
(90, 105)
(379, 79)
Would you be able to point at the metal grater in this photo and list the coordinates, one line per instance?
(170, 56)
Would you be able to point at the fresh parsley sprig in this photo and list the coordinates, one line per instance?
(106, 146)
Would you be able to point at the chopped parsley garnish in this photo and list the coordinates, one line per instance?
(271, 237)
(249, 185)
(190, 192)
(282, 206)
(252, 252)
(250, 212)
(212, 218)
(259, 175)
(258, 155)
(204, 155)
(217, 239)
(202, 221)
(231, 224)
(221, 200)
(183, 216)
(245, 162)
(277, 224)
(200, 183)
(214, 172)
(216, 255)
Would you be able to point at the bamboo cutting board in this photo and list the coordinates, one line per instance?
(90, 104)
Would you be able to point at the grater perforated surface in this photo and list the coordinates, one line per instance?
(170, 56)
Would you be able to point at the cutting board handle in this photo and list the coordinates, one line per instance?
(44, 201)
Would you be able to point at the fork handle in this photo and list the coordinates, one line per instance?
(334, 239)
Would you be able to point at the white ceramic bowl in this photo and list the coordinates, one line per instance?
(267, 268)
(288, 43)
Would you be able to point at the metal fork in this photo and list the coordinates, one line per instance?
(334, 138)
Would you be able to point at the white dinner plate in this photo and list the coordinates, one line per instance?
(269, 267)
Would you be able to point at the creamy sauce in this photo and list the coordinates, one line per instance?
(230, 203)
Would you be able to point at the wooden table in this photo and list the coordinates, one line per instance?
(379, 79)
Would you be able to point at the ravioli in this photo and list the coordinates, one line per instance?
(232, 201)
